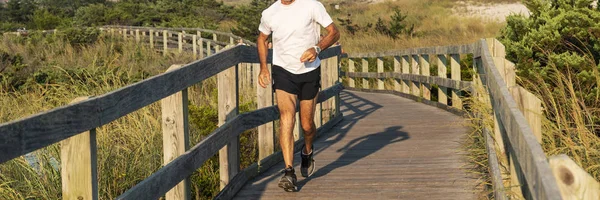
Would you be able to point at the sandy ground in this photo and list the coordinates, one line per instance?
(493, 12)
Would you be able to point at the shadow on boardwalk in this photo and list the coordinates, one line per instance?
(360, 148)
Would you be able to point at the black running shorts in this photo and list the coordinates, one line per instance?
(306, 86)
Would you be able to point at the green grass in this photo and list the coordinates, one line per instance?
(51, 73)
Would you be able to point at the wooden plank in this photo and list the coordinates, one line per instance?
(151, 39)
(264, 98)
(137, 35)
(351, 69)
(455, 74)
(365, 68)
(201, 47)
(425, 88)
(168, 176)
(573, 182)
(397, 70)
(195, 47)
(176, 138)
(405, 70)
(165, 43)
(456, 49)
(380, 83)
(250, 55)
(264, 164)
(448, 83)
(494, 166)
(79, 167)
(442, 64)
(527, 150)
(415, 69)
(37, 131)
(531, 107)
(228, 103)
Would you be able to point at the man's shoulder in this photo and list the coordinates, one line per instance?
(272, 8)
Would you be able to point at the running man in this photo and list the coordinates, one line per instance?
(296, 72)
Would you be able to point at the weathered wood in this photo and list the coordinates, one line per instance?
(494, 166)
(137, 35)
(412, 158)
(424, 63)
(457, 49)
(151, 38)
(208, 51)
(415, 69)
(165, 43)
(31, 133)
(405, 70)
(195, 47)
(365, 68)
(229, 158)
(215, 37)
(176, 139)
(397, 70)
(124, 32)
(198, 31)
(264, 164)
(264, 98)
(449, 83)
(78, 164)
(455, 74)
(180, 42)
(380, 83)
(201, 47)
(168, 176)
(527, 150)
(351, 69)
(442, 64)
(250, 55)
(573, 182)
(531, 107)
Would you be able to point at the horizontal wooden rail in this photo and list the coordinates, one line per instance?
(523, 143)
(458, 49)
(445, 82)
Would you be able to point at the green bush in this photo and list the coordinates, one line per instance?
(80, 36)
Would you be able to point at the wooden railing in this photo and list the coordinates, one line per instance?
(74, 126)
(516, 136)
(201, 42)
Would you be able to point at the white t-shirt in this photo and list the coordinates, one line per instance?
(295, 30)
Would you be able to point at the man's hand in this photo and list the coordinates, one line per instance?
(264, 77)
(309, 55)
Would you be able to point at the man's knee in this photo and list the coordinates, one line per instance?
(308, 127)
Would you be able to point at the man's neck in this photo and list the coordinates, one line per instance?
(287, 2)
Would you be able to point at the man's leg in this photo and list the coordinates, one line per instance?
(307, 115)
(286, 103)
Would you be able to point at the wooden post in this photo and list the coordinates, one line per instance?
(442, 64)
(137, 35)
(415, 69)
(405, 70)
(365, 68)
(455, 75)
(180, 42)
(124, 34)
(264, 98)
(351, 82)
(214, 36)
(573, 182)
(229, 158)
(165, 44)
(425, 88)
(335, 78)
(380, 81)
(397, 69)
(231, 41)
(79, 171)
(151, 38)
(195, 46)
(201, 47)
(111, 30)
(175, 127)
(208, 51)
(325, 83)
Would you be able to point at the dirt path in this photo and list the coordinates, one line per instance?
(492, 12)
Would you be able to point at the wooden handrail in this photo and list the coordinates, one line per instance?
(225, 34)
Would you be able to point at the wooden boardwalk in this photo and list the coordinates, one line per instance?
(387, 147)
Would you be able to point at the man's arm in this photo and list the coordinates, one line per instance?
(333, 35)
(264, 76)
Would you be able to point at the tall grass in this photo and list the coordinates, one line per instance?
(52, 73)
(435, 25)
